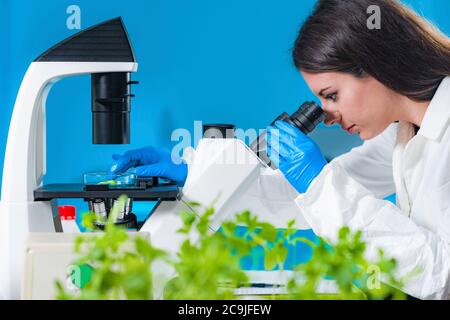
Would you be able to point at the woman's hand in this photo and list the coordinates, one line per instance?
(296, 155)
(151, 162)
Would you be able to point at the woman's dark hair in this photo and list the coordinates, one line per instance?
(407, 54)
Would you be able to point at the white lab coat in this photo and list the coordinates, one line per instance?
(416, 232)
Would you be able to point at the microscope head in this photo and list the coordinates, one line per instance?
(107, 42)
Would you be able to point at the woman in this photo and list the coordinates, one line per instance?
(392, 87)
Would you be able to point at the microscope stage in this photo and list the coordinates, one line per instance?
(167, 192)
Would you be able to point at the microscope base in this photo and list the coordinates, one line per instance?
(26, 217)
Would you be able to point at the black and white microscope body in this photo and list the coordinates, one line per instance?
(25, 156)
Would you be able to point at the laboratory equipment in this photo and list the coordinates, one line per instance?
(218, 130)
(111, 96)
(68, 215)
(92, 179)
(101, 207)
(306, 118)
(50, 257)
(29, 219)
(105, 181)
(27, 205)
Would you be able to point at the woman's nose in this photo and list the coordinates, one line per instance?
(332, 117)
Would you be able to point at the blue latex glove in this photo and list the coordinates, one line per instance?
(296, 155)
(151, 162)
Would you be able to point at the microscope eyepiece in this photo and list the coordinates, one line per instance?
(306, 118)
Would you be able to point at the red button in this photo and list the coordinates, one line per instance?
(67, 212)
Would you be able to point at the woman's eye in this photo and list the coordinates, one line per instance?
(331, 96)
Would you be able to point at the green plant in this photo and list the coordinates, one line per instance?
(206, 268)
(344, 262)
(120, 271)
(207, 265)
(261, 234)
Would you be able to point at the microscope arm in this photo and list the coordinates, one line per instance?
(24, 165)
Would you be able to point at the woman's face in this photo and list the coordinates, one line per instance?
(359, 105)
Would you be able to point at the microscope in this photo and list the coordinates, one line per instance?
(27, 206)
(226, 173)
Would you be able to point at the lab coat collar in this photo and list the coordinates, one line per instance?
(437, 116)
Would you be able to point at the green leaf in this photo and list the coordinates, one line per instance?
(291, 223)
(270, 260)
(268, 232)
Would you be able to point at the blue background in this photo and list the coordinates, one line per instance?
(210, 60)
